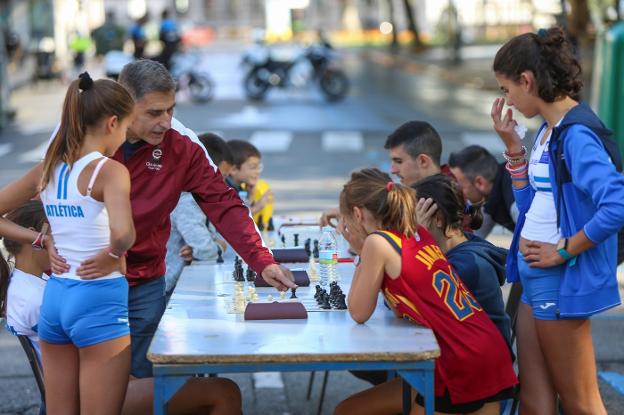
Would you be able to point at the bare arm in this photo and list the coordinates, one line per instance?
(368, 278)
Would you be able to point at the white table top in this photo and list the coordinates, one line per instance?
(197, 328)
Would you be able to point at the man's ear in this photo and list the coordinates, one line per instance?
(423, 160)
(480, 183)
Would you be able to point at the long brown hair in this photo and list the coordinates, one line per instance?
(549, 55)
(391, 203)
(30, 215)
(87, 102)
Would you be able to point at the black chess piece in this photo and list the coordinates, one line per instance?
(316, 249)
(293, 293)
(306, 246)
(250, 275)
(270, 226)
(342, 304)
(296, 236)
(260, 223)
(325, 303)
(283, 238)
(219, 256)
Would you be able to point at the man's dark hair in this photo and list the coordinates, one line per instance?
(217, 148)
(417, 137)
(242, 150)
(475, 161)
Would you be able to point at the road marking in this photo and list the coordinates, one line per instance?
(35, 155)
(491, 141)
(5, 148)
(268, 380)
(342, 141)
(272, 141)
(614, 379)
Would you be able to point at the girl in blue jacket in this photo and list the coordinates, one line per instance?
(571, 202)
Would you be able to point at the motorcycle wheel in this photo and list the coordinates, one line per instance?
(255, 87)
(201, 88)
(334, 85)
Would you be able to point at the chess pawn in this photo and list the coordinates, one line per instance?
(260, 223)
(283, 241)
(312, 271)
(270, 298)
(270, 226)
(219, 256)
(296, 239)
(282, 295)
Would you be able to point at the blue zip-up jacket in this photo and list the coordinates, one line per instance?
(593, 201)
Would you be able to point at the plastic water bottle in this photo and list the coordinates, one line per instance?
(328, 257)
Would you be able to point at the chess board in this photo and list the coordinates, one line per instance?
(305, 232)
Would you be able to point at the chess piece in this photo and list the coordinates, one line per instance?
(283, 241)
(293, 293)
(219, 256)
(296, 239)
(260, 223)
(312, 271)
(270, 226)
(306, 246)
(342, 304)
(316, 249)
(250, 275)
(325, 303)
(270, 298)
(282, 295)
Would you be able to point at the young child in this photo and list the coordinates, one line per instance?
(189, 225)
(400, 258)
(84, 331)
(21, 294)
(245, 178)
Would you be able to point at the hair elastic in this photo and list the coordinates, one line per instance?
(389, 186)
(85, 81)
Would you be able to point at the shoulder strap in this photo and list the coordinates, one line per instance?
(392, 239)
(94, 175)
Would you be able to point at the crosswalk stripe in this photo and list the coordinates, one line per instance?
(342, 141)
(491, 141)
(5, 148)
(614, 379)
(272, 141)
(269, 380)
(35, 155)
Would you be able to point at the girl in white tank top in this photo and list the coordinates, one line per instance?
(83, 326)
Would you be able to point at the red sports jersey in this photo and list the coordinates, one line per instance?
(474, 360)
(158, 175)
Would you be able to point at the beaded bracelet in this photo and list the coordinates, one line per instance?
(522, 152)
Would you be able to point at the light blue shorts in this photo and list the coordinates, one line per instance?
(540, 289)
(84, 312)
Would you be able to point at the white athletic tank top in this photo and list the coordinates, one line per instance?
(79, 223)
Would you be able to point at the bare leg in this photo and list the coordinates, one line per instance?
(537, 393)
(492, 408)
(215, 396)
(60, 365)
(104, 372)
(386, 398)
(569, 353)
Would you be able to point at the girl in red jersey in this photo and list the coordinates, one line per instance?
(474, 371)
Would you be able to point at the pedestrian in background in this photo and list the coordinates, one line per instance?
(571, 202)
(109, 36)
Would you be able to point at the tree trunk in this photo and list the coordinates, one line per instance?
(412, 26)
(395, 39)
(578, 19)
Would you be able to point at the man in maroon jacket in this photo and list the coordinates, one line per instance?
(164, 159)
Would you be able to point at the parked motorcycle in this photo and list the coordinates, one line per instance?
(184, 70)
(312, 65)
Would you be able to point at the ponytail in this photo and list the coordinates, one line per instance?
(86, 103)
(390, 203)
(30, 215)
(475, 214)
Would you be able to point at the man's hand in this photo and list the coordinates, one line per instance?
(58, 264)
(425, 212)
(186, 253)
(279, 277)
(542, 255)
(99, 265)
(328, 215)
